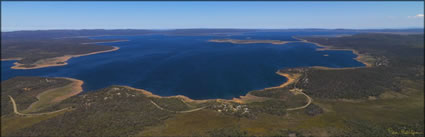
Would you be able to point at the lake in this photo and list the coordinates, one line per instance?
(192, 66)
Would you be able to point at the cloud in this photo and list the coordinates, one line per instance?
(417, 16)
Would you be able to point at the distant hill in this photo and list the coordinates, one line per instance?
(42, 34)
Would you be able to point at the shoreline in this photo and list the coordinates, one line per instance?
(182, 97)
(291, 77)
(238, 41)
(77, 88)
(104, 42)
(360, 57)
(53, 62)
(10, 59)
(241, 99)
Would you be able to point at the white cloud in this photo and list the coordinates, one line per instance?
(417, 16)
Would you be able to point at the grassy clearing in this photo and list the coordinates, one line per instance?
(46, 99)
(296, 101)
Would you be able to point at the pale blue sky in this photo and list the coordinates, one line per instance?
(174, 15)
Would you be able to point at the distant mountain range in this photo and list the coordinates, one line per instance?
(37, 34)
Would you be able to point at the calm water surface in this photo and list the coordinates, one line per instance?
(191, 66)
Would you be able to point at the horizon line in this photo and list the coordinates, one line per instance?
(404, 28)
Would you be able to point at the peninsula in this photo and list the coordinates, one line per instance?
(49, 52)
(56, 61)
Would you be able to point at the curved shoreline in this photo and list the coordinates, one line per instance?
(291, 78)
(52, 62)
(360, 57)
(241, 99)
(77, 87)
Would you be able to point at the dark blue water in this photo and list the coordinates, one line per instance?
(191, 66)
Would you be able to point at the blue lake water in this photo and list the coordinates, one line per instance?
(191, 66)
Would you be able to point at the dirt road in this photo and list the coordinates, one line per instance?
(15, 110)
(186, 111)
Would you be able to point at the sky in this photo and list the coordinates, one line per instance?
(45, 15)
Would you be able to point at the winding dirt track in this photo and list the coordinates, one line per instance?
(15, 110)
(309, 100)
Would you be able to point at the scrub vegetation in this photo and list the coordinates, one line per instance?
(386, 99)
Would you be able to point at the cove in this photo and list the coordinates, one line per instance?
(191, 66)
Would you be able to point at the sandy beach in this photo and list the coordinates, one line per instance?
(57, 61)
(183, 98)
(9, 59)
(291, 79)
(248, 98)
(77, 87)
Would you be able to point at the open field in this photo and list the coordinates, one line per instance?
(56, 95)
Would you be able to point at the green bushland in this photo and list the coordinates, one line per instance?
(25, 90)
(33, 50)
(398, 58)
(377, 101)
(172, 104)
(113, 111)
